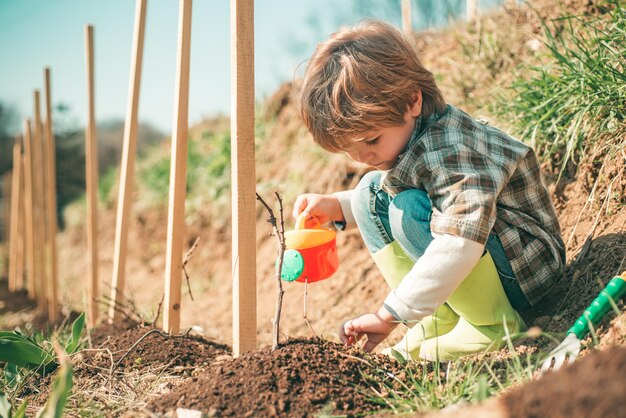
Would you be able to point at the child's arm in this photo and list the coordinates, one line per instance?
(447, 261)
(445, 264)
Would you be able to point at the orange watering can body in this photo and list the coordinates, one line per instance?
(311, 254)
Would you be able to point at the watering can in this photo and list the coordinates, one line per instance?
(311, 253)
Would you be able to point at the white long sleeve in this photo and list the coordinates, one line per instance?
(346, 207)
(447, 261)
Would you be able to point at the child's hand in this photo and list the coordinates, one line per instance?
(376, 325)
(325, 207)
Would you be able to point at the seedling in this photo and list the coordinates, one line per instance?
(280, 238)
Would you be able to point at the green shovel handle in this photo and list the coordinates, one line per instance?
(614, 291)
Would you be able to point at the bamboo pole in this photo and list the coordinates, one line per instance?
(128, 162)
(39, 207)
(91, 176)
(6, 222)
(407, 25)
(15, 207)
(243, 176)
(29, 211)
(20, 267)
(51, 198)
(472, 10)
(178, 176)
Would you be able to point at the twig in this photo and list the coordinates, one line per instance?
(186, 260)
(280, 235)
(126, 303)
(187, 279)
(104, 300)
(190, 252)
(355, 358)
(158, 312)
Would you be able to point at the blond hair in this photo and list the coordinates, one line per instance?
(360, 79)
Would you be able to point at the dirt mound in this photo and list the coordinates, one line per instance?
(105, 331)
(592, 387)
(303, 377)
(147, 346)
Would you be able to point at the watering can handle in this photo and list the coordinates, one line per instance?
(301, 221)
(613, 291)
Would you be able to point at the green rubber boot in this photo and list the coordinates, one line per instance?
(483, 308)
(394, 264)
(438, 324)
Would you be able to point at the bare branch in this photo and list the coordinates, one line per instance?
(280, 235)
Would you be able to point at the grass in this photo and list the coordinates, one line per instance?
(422, 386)
(27, 358)
(578, 93)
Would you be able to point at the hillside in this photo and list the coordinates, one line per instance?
(288, 162)
(479, 67)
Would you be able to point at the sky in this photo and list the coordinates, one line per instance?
(39, 33)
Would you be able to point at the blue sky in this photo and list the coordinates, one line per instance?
(39, 33)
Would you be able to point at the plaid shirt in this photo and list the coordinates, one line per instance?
(480, 179)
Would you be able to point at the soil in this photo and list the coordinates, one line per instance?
(145, 346)
(593, 387)
(302, 377)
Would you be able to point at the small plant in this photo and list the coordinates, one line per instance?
(25, 356)
(280, 237)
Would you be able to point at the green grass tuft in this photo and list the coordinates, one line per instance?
(581, 90)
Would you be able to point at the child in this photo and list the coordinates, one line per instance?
(455, 215)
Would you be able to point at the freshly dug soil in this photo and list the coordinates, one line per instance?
(105, 331)
(301, 378)
(592, 387)
(144, 346)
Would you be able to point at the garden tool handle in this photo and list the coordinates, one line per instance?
(301, 221)
(613, 291)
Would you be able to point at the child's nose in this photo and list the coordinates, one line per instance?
(364, 156)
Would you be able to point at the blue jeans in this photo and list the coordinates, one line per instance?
(406, 219)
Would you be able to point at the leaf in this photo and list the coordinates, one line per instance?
(11, 375)
(77, 329)
(61, 388)
(26, 354)
(398, 356)
(21, 411)
(5, 406)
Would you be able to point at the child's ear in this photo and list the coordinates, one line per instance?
(416, 108)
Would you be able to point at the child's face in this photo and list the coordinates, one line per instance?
(380, 148)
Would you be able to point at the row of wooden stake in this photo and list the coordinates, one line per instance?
(33, 259)
(32, 225)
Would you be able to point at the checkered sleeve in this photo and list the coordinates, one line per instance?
(463, 185)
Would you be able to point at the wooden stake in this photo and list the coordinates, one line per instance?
(29, 211)
(91, 177)
(15, 207)
(178, 176)
(53, 281)
(39, 188)
(407, 25)
(128, 163)
(6, 222)
(243, 176)
(21, 228)
(472, 10)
